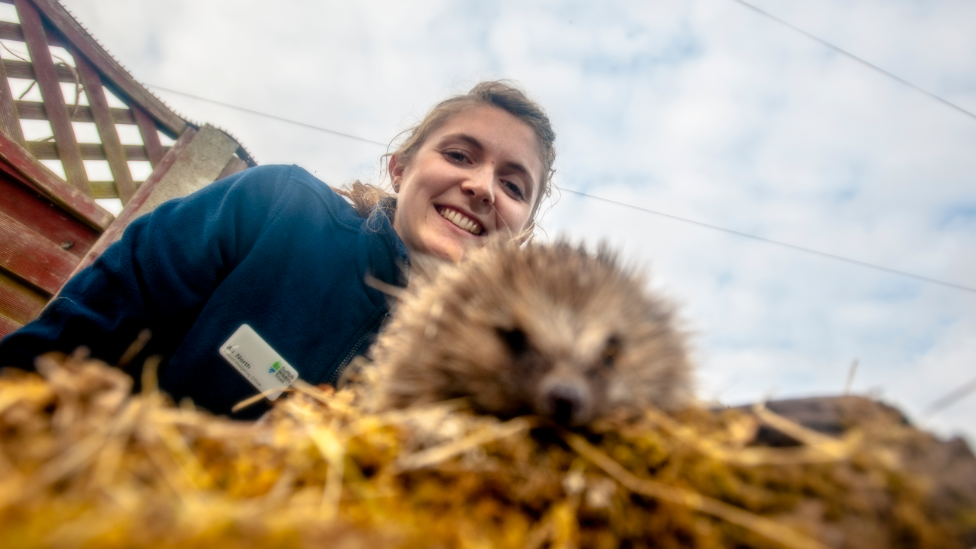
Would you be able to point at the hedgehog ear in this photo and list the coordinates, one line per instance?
(606, 255)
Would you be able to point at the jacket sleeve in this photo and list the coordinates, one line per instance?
(158, 276)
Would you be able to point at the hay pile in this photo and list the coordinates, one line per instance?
(83, 463)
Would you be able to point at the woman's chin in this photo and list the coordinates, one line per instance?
(452, 249)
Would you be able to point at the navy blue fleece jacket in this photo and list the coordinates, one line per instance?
(271, 247)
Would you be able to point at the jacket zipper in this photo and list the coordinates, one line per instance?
(352, 353)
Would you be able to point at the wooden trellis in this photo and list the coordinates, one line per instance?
(50, 224)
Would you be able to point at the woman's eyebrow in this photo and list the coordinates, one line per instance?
(474, 143)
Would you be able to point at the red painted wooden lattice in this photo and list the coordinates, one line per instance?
(52, 70)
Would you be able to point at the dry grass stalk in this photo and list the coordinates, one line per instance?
(84, 463)
(693, 500)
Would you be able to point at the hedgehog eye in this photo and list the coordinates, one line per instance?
(515, 339)
(610, 352)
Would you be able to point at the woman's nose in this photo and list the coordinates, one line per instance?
(481, 186)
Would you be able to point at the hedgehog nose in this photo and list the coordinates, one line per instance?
(565, 403)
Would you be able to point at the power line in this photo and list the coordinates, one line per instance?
(271, 116)
(855, 58)
(950, 398)
(646, 210)
(778, 243)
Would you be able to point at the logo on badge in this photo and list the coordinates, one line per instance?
(274, 367)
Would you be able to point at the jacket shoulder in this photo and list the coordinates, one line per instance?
(292, 187)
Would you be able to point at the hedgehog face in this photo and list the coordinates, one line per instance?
(545, 330)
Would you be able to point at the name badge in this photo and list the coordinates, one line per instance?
(257, 361)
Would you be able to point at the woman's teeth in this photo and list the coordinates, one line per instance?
(460, 220)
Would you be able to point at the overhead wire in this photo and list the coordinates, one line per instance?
(856, 58)
(271, 116)
(950, 398)
(778, 243)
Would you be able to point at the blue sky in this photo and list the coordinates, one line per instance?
(701, 109)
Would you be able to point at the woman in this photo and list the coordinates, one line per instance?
(272, 260)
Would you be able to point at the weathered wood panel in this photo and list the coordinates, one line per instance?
(19, 302)
(34, 110)
(38, 177)
(143, 194)
(150, 138)
(49, 228)
(9, 122)
(45, 150)
(7, 326)
(114, 153)
(47, 81)
(44, 218)
(119, 80)
(33, 258)
(233, 166)
(25, 70)
(12, 31)
(106, 189)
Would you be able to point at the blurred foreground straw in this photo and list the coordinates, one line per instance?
(85, 463)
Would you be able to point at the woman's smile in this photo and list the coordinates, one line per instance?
(460, 220)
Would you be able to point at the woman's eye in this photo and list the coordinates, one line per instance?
(514, 189)
(456, 156)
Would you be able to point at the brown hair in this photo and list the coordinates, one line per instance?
(500, 94)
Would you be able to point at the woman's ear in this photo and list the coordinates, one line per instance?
(395, 168)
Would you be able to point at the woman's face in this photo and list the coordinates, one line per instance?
(478, 174)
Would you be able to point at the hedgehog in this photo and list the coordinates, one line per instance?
(547, 330)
